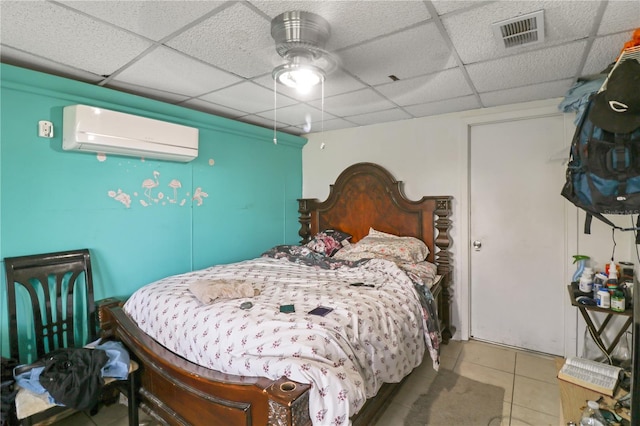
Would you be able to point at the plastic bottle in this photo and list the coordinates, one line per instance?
(581, 260)
(591, 416)
(612, 281)
(586, 284)
(604, 299)
(618, 303)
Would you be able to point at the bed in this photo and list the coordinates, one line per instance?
(267, 366)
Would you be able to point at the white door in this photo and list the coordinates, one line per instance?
(517, 234)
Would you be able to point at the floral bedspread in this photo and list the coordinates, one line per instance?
(373, 335)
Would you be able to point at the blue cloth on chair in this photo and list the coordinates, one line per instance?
(118, 364)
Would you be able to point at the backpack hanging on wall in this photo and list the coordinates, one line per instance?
(603, 174)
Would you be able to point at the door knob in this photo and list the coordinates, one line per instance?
(477, 245)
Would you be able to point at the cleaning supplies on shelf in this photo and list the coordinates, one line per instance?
(581, 260)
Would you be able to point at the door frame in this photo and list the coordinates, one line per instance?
(462, 297)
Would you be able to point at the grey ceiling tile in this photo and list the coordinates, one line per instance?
(473, 37)
(152, 19)
(354, 103)
(56, 33)
(620, 16)
(535, 92)
(147, 92)
(375, 61)
(236, 39)
(299, 115)
(215, 109)
(336, 83)
(447, 6)
(263, 122)
(394, 114)
(168, 70)
(444, 85)
(18, 58)
(604, 51)
(247, 97)
(354, 21)
(463, 103)
(520, 70)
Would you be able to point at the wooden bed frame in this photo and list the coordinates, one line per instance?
(178, 392)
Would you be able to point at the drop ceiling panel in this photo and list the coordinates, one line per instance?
(540, 66)
(152, 19)
(355, 21)
(603, 52)
(526, 93)
(335, 124)
(237, 39)
(147, 92)
(26, 60)
(217, 56)
(247, 97)
(447, 6)
(380, 117)
(204, 106)
(444, 85)
(462, 103)
(354, 103)
(473, 38)
(620, 16)
(430, 53)
(63, 36)
(172, 71)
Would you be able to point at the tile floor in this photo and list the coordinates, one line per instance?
(531, 397)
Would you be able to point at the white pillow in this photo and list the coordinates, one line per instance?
(408, 249)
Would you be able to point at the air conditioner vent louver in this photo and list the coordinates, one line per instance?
(523, 30)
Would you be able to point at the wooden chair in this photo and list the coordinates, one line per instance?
(51, 306)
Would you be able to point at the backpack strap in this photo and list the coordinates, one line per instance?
(589, 217)
(620, 162)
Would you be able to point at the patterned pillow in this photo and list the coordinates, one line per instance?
(328, 242)
(407, 249)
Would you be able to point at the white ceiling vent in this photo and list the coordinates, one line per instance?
(519, 31)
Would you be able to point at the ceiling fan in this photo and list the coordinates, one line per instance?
(300, 39)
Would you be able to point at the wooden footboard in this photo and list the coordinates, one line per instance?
(179, 392)
(175, 391)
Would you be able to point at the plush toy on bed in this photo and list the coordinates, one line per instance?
(208, 291)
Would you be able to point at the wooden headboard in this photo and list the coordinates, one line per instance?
(365, 196)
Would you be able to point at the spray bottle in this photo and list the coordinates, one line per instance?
(581, 260)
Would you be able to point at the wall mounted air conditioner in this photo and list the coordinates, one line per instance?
(91, 129)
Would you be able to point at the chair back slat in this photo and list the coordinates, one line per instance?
(59, 289)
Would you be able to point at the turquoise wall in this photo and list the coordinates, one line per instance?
(53, 200)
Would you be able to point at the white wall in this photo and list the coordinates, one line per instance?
(430, 156)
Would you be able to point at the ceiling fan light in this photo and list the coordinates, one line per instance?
(300, 77)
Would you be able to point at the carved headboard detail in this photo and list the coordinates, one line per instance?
(365, 196)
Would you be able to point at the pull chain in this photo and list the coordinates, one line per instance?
(275, 109)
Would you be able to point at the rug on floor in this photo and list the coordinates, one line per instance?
(457, 400)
